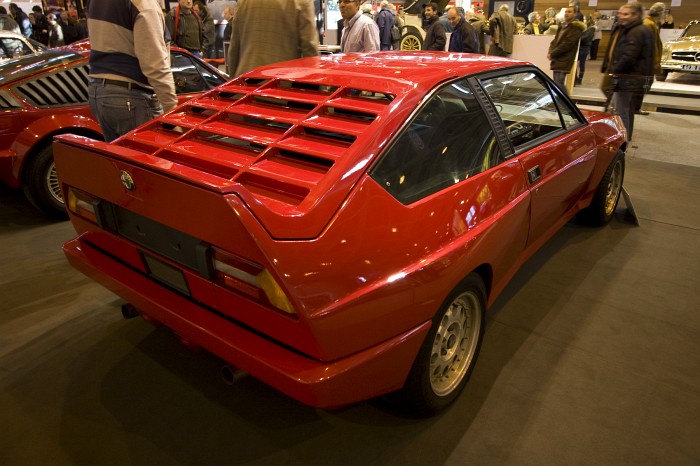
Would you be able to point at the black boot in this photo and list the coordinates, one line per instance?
(579, 80)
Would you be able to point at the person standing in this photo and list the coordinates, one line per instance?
(40, 29)
(208, 28)
(7, 23)
(630, 61)
(55, 32)
(22, 19)
(654, 20)
(270, 31)
(503, 27)
(435, 37)
(534, 26)
(185, 27)
(228, 16)
(463, 38)
(129, 84)
(597, 36)
(385, 21)
(360, 33)
(562, 49)
(584, 50)
(481, 28)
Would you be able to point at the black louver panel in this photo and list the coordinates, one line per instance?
(65, 87)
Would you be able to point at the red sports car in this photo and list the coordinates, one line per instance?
(338, 226)
(44, 95)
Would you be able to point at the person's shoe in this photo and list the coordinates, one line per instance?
(643, 112)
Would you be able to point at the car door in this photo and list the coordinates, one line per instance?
(551, 140)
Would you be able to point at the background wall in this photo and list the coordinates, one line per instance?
(688, 11)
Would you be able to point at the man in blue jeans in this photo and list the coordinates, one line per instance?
(128, 85)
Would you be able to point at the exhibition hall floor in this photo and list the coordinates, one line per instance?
(591, 356)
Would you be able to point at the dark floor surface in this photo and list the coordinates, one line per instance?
(591, 357)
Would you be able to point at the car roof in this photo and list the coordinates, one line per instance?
(399, 72)
(291, 139)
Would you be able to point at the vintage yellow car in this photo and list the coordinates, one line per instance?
(683, 54)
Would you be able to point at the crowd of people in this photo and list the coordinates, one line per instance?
(58, 27)
(267, 31)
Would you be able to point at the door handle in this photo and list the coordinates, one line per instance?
(534, 174)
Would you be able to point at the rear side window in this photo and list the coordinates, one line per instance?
(530, 112)
(449, 140)
(190, 77)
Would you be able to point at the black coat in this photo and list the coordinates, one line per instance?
(630, 56)
(435, 37)
(464, 39)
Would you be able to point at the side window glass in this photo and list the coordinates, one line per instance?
(11, 48)
(449, 140)
(527, 107)
(190, 77)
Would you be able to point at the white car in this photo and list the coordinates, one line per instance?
(15, 45)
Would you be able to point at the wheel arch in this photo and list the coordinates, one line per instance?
(40, 133)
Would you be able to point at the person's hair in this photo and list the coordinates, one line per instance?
(384, 4)
(635, 7)
(37, 9)
(531, 17)
(503, 7)
(3, 11)
(657, 9)
(433, 5)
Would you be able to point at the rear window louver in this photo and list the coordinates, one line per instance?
(277, 138)
(64, 87)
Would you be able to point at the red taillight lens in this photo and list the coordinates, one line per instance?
(250, 278)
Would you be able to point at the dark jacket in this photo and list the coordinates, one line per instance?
(385, 21)
(630, 56)
(463, 38)
(482, 30)
(563, 48)
(587, 37)
(190, 31)
(435, 37)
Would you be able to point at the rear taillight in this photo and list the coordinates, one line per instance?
(82, 204)
(249, 278)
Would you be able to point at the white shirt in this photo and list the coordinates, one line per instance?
(360, 34)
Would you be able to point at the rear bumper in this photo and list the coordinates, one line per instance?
(369, 373)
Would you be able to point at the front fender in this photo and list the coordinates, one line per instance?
(40, 132)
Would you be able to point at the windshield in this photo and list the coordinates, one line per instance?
(19, 68)
(692, 30)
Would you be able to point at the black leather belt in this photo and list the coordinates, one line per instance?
(126, 84)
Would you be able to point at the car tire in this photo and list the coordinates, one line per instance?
(449, 352)
(604, 203)
(411, 41)
(41, 184)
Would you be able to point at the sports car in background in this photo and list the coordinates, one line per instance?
(42, 95)
(337, 226)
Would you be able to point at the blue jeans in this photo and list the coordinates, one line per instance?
(622, 105)
(560, 79)
(119, 110)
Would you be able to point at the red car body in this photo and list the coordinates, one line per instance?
(280, 175)
(44, 95)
